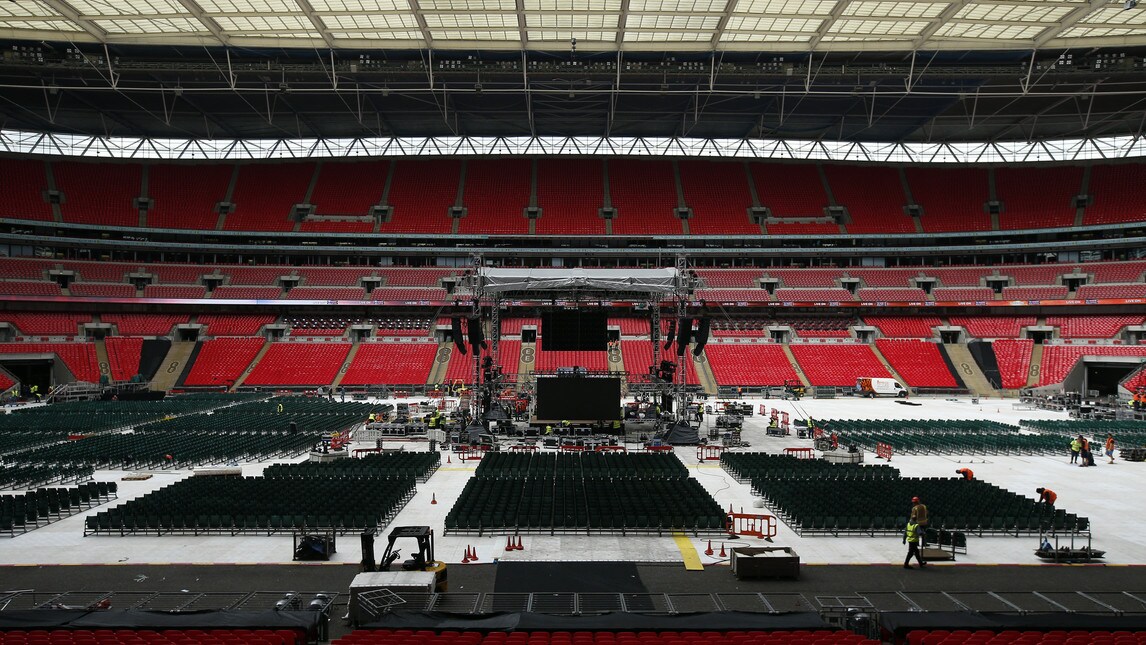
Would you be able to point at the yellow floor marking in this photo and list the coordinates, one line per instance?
(688, 552)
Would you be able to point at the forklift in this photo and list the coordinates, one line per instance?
(422, 560)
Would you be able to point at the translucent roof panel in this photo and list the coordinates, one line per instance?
(649, 25)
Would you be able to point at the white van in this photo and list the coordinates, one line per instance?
(873, 387)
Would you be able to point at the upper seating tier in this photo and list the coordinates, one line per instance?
(717, 193)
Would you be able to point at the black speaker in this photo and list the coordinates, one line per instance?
(702, 328)
(459, 337)
(683, 333)
(476, 335)
(671, 336)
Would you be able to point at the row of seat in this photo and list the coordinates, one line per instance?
(416, 465)
(151, 637)
(496, 192)
(35, 508)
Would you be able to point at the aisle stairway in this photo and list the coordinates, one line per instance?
(102, 359)
(879, 355)
(1036, 365)
(173, 366)
(441, 363)
(969, 371)
(796, 365)
(250, 368)
(705, 375)
(346, 364)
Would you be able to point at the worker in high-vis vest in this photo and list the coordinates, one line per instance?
(911, 537)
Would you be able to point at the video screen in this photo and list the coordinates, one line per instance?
(578, 398)
(574, 330)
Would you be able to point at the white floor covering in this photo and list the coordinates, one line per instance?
(1108, 494)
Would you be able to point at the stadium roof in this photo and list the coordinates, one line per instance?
(596, 25)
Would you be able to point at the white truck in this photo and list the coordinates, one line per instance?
(873, 387)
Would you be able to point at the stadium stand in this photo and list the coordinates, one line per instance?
(24, 269)
(409, 294)
(752, 364)
(22, 182)
(1057, 292)
(910, 294)
(953, 199)
(293, 364)
(80, 358)
(255, 276)
(176, 273)
(838, 365)
(101, 290)
(959, 277)
(993, 326)
(264, 195)
(628, 326)
(416, 277)
(644, 194)
(348, 188)
(1113, 196)
(99, 193)
(790, 190)
(38, 324)
(895, 278)
(421, 194)
(549, 361)
(729, 278)
(1114, 272)
(806, 277)
(496, 195)
(904, 326)
(733, 295)
(717, 193)
(1035, 274)
(637, 354)
(1097, 326)
(1091, 291)
(333, 276)
(803, 228)
(873, 196)
(28, 288)
(98, 271)
(220, 361)
(391, 364)
(1013, 356)
(229, 292)
(964, 294)
(234, 324)
(144, 324)
(838, 294)
(185, 195)
(326, 293)
(1037, 197)
(918, 362)
(123, 356)
(174, 291)
(1059, 359)
(569, 193)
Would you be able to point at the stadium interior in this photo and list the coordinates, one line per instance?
(635, 323)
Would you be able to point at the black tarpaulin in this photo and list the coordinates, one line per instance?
(143, 619)
(618, 621)
(902, 622)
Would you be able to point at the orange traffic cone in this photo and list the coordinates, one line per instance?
(509, 546)
(708, 551)
(723, 553)
(434, 499)
(519, 546)
(466, 557)
(473, 554)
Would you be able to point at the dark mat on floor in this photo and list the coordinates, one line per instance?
(568, 577)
